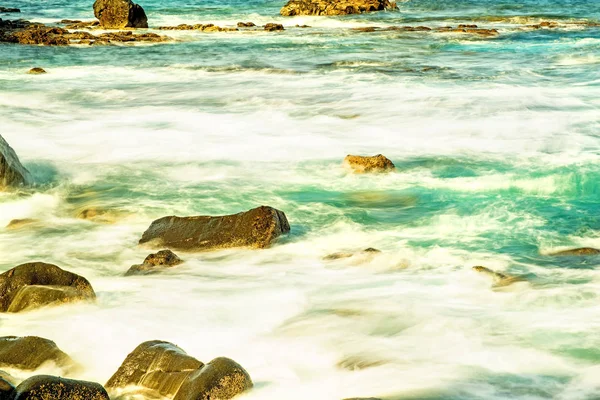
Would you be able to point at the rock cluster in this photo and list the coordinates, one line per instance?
(12, 172)
(335, 7)
(119, 14)
(198, 27)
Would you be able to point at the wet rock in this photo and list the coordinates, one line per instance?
(245, 24)
(582, 251)
(335, 7)
(273, 27)
(12, 172)
(361, 164)
(49, 36)
(37, 71)
(348, 254)
(69, 21)
(256, 228)
(7, 390)
(464, 26)
(222, 378)
(9, 10)
(500, 280)
(366, 29)
(164, 259)
(199, 27)
(21, 223)
(82, 24)
(155, 365)
(37, 284)
(46, 387)
(119, 14)
(409, 28)
(31, 352)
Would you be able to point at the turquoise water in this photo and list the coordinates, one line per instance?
(496, 142)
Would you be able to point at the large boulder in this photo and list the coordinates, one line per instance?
(31, 352)
(222, 378)
(46, 387)
(154, 263)
(119, 14)
(156, 365)
(367, 164)
(12, 173)
(256, 228)
(38, 284)
(334, 7)
(7, 389)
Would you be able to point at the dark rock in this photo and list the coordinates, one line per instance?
(119, 14)
(9, 10)
(164, 258)
(361, 164)
(34, 285)
(7, 389)
(12, 172)
(37, 71)
(222, 379)
(156, 365)
(462, 26)
(245, 24)
(302, 26)
(46, 387)
(273, 27)
(582, 251)
(70, 21)
(335, 7)
(31, 352)
(256, 228)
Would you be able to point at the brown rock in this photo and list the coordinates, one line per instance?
(245, 24)
(582, 251)
(119, 14)
(46, 387)
(12, 172)
(37, 71)
(335, 7)
(362, 164)
(256, 228)
(7, 390)
(31, 352)
(273, 27)
(39, 35)
(164, 258)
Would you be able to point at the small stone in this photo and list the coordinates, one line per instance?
(37, 71)
(362, 164)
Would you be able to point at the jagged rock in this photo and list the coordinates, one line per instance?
(9, 10)
(361, 164)
(119, 14)
(12, 172)
(31, 352)
(34, 285)
(582, 251)
(37, 71)
(245, 24)
(256, 228)
(156, 365)
(164, 258)
(222, 379)
(335, 7)
(273, 27)
(46, 387)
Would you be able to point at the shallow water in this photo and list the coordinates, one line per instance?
(496, 141)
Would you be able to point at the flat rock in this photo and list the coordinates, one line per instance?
(363, 164)
(335, 7)
(256, 228)
(46, 387)
(12, 172)
(31, 352)
(154, 262)
(119, 14)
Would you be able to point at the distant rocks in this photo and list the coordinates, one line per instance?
(362, 164)
(119, 14)
(348, 254)
(246, 24)
(46, 387)
(31, 352)
(335, 7)
(256, 228)
(37, 71)
(273, 27)
(34, 285)
(12, 172)
(9, 10)
(198, 27)
(582, 251)
(154, 263)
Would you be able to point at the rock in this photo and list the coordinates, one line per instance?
(500, 280)
(273, 27)
(245, 24)
(582, 251)
(81, 24)
(119, 14)
(31, 352)
(37, 71)
(156, 365)
(9, 10)
(256, 228)
(70, 21)
(463, 26)
(46, 387)
(335, 7)
(40, 35)
(34, 285)
(222, 379)
(366, 29)
(348, 254)
(21, 223)
(7, 390)
(12, 172)
(164, 258)
(361, 164)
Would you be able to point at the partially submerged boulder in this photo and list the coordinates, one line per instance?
(12, 172)
(273, 27)
(582, 251)
(155, 262)
(31, 352)
(119, 14)
(499, 279)
(367, 164)
(335, 7)
(46, 387)
(7, 389)
(256, 228)
(36, 71)
(38, 284)
(348, 254)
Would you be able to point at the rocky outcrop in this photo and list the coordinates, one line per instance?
(12, 172)
(156, 365)
(273, 27)
(119, 14)
(335, 7)
(37, 71)
(256, 228)
(46, 387)
(362, 164)
(34, 285)
(582, 251)
(31, 352)
(155, 262)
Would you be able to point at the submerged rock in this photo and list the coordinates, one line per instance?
(21, 223)
(164, 258)
(37, 284)
(273, 27)
(37, 71)
(500, 280)
(348, 254)
(156, 365)
(335, 7)
(245, 24)
(119, 14)
(362, 164)
(31, 352)
(256, 228)
(46, 387)
(9, 10)
(582, 251)
(12, 172)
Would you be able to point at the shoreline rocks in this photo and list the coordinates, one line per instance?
(51, 387)
(256, 228)
(119, 14)
(12, 172)
(155, 263)
(36, 71)
(270, 27)
(31, 352)
(368, 164)
(582, 251)
(335, 7)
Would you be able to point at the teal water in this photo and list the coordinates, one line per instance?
(496, 141)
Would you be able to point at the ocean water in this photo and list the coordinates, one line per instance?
(497, 145)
